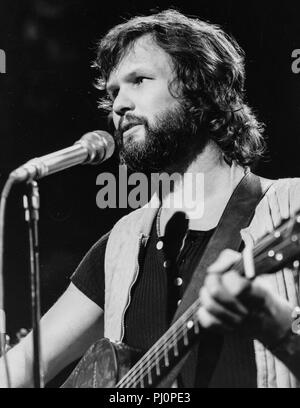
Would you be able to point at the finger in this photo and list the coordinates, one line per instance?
(235, 284)
(249, 294)
(222, 295)
(208, 321)
(255, 297)
(225, 260)
(218, 310)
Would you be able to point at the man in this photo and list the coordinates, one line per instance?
(175, 95)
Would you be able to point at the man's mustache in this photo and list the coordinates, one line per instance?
(130, 121)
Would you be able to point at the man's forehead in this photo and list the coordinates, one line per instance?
(143, 46)
(143, 53)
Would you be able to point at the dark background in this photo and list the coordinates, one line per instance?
(47, 101)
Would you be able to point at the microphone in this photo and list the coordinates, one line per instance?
(92, 148)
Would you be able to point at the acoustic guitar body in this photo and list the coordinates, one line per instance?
(102, 366)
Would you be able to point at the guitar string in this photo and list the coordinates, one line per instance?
(140, 368)
(140, 377)
(160, 348)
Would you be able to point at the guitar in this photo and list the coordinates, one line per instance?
(107, 364)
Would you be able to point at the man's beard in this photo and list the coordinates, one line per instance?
(170, 145)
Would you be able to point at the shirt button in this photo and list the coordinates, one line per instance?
(179, 301)
(178, 281)
(166, 264)
(159, 245)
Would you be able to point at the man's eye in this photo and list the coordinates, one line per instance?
(139, 80)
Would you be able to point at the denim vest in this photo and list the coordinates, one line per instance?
(131, 233)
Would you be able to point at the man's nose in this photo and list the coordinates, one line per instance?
(123, 103)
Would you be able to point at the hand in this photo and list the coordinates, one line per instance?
(230, 301)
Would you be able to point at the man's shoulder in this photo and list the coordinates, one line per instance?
(283, 195)
(292, 182)
(287, 186)
(132, 217)
(281, 201)
(281, 182)
(140, 219)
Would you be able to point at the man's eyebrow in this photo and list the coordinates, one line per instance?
(140, 71)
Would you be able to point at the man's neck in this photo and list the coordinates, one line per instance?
(203, 191)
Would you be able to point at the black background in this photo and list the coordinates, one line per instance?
(47, 101)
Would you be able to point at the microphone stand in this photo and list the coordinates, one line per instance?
(31, 204)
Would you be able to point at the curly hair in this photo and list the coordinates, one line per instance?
(209, 67)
